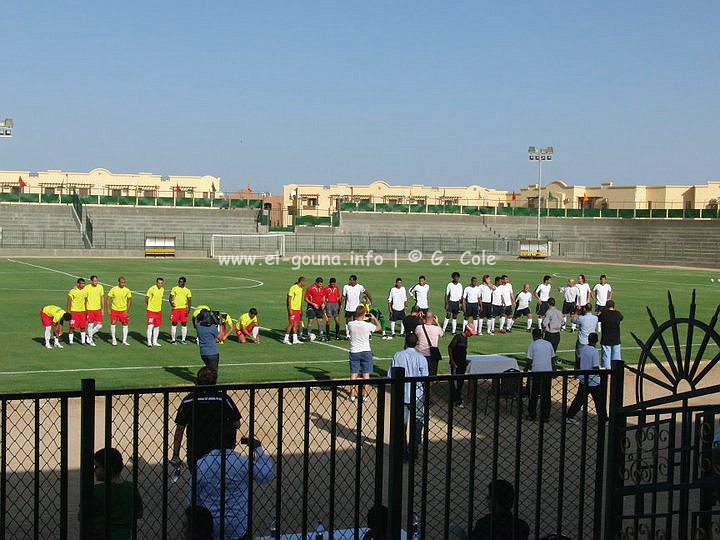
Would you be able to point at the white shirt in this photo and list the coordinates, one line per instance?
(360, 332)
(471, 294)
(237, 481)
(497, 297)
(507, 292)
(352, 294)
(454, 291)
(541, 353)
(415, 365)
(485, 293)
(543, 291)
(570, 293)
(583, 294)
(601, 293)
(420, 292)
(523, 299)
(397, 298)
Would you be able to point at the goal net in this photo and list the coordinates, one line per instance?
(222, 245)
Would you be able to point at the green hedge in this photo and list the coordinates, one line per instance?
(89, 199)
(203, 202)
(486, 210)
(505, 211)
(165, 201)
(470, 210)
(365, 207)
(184, 202)
(419, 208)
(348, 206)
(47, 198)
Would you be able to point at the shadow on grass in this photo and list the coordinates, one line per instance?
(184, 373)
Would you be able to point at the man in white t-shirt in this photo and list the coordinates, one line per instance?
(508, 301)
(542, 293)
(486, 289)
(540, 355)
(584, 293)
(589, 384)
(453, 296)
(522, 307)
(602, 292)
(570, 294)
(361, 357)
(351, 296)
(471, 299)
(397, 303)
(496, 308)
(420, 292)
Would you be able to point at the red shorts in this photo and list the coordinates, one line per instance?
(94, 315)
(179, 315)
(154, 317)
(295, 316)
(45, 319)
(119, 316)
(78, 319)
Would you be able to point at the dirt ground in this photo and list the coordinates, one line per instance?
(325, 452)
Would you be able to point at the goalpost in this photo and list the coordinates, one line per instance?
(253, 244)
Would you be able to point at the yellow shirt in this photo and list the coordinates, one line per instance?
(155, 297)
(198, 309)
(77, 299)
(180, 296)
(55, 312)
(246, 320)
(94, 296)
(119, 297)
(296, 296)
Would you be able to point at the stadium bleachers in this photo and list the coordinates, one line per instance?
(33, 226)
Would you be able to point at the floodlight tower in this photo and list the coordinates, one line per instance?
(6, 127)
(540, 155)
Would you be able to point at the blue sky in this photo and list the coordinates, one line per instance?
(440, 93)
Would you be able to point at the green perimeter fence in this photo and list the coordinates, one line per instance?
(125, 200)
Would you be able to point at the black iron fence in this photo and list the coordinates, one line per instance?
(333, 458)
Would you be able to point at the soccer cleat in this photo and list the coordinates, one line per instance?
(114, 343)
(173, 342)
(91, 343)
(48, 346)
(183, 342)
(287, 342)
(125, 343)
(149, 344)
(156, 344)
(59, 345)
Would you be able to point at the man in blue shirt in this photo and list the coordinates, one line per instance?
(207, 334)
(589, 384)
(540, 355)
(586, 325)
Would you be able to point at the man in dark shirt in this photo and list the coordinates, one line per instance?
(500, 523)
(610, 341)
(412, 321)
(457, 352)
(210, 417)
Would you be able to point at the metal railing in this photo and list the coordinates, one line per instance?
(333, 459)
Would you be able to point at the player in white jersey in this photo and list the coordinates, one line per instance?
(508, 300)
(584, 293)
(522, 306)
(497, 305)
(602, 292)
(471, 300)
(420, 292)
(542, 293)
(486, 289)
(453, 297)
(570, 295)
(397, 302)
(352, 294)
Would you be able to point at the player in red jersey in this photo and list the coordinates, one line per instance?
(315, 298)
(332, 307)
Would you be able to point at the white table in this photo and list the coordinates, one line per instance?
(486, 364)
(338, 534)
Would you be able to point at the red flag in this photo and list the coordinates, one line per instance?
(248, 188)
(177, 189)
(586, 198)
(21, 182)
(514, 195)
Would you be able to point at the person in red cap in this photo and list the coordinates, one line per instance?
(457, 351)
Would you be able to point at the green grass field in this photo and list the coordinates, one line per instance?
(29, 284)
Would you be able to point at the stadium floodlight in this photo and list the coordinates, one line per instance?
(540, 155)
(6, 127)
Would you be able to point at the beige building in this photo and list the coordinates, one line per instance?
(105, 183)
(321, 201)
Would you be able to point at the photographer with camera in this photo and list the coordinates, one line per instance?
(207, 336)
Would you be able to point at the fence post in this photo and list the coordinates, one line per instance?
(397, 443)
(87, 469)
(615, 454)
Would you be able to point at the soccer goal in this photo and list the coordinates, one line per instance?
(222, 245)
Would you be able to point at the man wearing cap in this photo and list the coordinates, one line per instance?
(457, 351)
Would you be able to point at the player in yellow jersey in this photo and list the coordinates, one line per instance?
(95, 301)
(294, 303)
(52, 318)
(77, 306)
(247, 327)
(181, 302)
(153, 299)
(120, 299)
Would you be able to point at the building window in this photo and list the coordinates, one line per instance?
(449, 200)
(148, 193)
(116, 192)
(420, 200)
(83, 191)
(49, 191)
(533, 202)
(393, 201)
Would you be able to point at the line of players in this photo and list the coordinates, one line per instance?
(487, 303)
(86, 305)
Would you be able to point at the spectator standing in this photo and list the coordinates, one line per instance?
(552, 324)
(361, 357)
(589, 384)
(429, 334)
(412, 321)
(540, 355)
(610, 319)
(457, 352)
(586, 324)
(207, 337)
